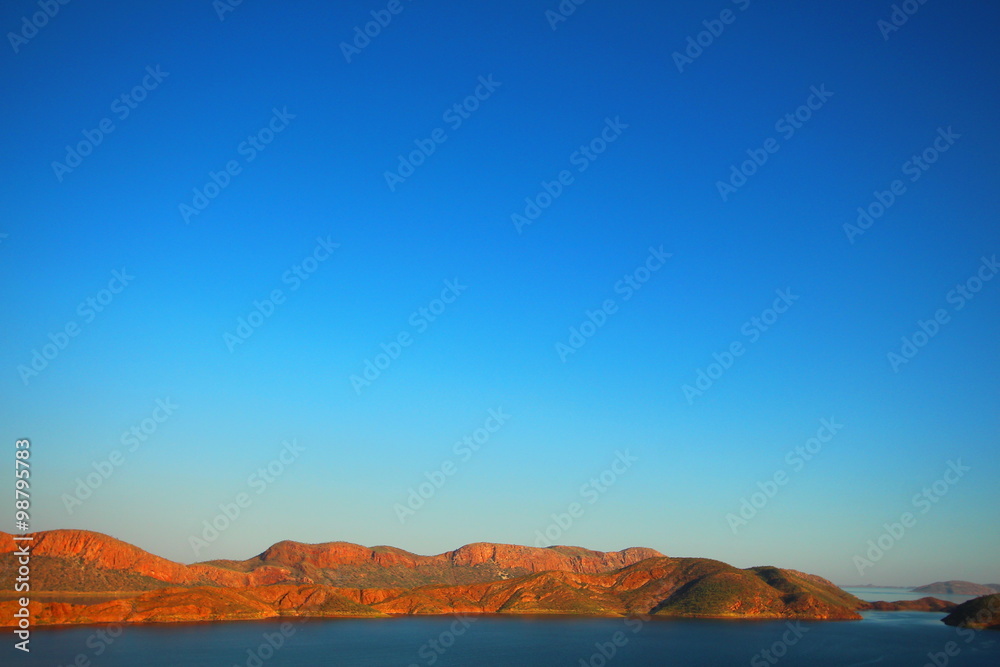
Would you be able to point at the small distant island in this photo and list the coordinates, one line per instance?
(958, 588)
(87, 577)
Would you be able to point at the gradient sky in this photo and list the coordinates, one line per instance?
(494, 347)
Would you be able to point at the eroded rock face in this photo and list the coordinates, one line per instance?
(260, 576)
(335, 554)
(507, 556)
(534, 559)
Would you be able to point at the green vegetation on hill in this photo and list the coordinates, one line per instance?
(372, 575)
(77, 574)
(702, 587)
(793, 582)
(982, 613)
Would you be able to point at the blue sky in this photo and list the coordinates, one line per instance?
(329, 130)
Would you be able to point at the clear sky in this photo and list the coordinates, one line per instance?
(250, 154)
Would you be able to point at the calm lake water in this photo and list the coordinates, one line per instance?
(883, 638)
